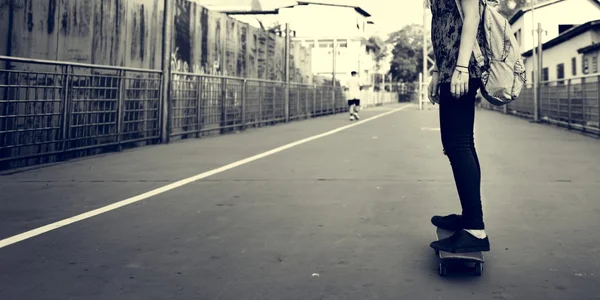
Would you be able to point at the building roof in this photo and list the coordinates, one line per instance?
(522, 11)
(339, 3)
(231, 5)
(588, 49)
(270, 6)
(567, 35)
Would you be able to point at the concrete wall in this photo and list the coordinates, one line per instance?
(108, 32)
(130, 33)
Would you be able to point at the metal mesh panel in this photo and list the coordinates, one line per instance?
(31, 105)
(92, 111)
(185, 104)
(141, 108)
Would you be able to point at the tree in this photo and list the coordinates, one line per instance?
(378, 49)
(407, 53)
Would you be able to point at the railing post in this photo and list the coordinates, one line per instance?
(65, 110)
(557, 104)
(598, 100)
(244, 104)
(569, 103)
(314, 99)
(306, 99)
(298, 103)
(120, 107)
(223, 105)
(286, 102)
(583, 102)
(260, 103)
(274, 114)
(199, 107)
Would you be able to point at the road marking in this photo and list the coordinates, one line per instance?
(53, 226)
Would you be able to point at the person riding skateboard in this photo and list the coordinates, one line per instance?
(454, 85)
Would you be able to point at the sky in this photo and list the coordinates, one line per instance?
(392, 15)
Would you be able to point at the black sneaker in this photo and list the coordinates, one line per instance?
(450, 222)
(462, 242)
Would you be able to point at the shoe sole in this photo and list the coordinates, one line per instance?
(462, 250)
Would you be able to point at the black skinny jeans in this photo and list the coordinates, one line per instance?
(457, 117)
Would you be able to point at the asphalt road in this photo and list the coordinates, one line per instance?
(345, 216)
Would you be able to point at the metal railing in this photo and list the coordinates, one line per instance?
(59, 109)
(572, 103)
(206, 103)
(53, 111)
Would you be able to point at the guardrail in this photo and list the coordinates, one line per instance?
(53, 111)
(573, 103)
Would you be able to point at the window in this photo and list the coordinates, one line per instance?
(564, 27)
(544, 74)
(518, 37)
(586, 65)
(595, 64)
(574, 66)
(325, 44)
(343, 44)
(560, 73)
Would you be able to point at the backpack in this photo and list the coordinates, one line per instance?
(502, 68)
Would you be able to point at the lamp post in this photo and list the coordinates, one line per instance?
(536, 61)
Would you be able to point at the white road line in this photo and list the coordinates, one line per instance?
(41, 230)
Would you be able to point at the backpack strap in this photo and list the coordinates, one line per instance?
(476, 49)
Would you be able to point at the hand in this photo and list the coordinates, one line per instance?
(460, 82)
(433, 88)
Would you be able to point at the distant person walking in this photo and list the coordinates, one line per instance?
(353, 88)
(454, 85)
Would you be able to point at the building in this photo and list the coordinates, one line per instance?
(573, 53)
(316, 24)
(556, 17)
(345, 25)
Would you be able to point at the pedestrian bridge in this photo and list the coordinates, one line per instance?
(318, 209)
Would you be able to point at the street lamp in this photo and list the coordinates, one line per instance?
(537, 61)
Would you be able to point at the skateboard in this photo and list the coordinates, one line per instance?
(447, 258)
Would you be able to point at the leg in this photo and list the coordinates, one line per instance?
(457, 118)
(356, 107)
(351, 109)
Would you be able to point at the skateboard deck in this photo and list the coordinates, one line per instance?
(446, 258)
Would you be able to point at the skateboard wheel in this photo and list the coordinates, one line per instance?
(478, 269)
(443, 269)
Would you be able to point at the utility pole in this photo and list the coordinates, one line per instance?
(539, 71)
(287, 72)
(424, 78)
(534, 63)
(334, 52)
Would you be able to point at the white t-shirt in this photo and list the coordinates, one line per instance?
(353, 85)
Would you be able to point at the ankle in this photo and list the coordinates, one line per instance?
(478, 233)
